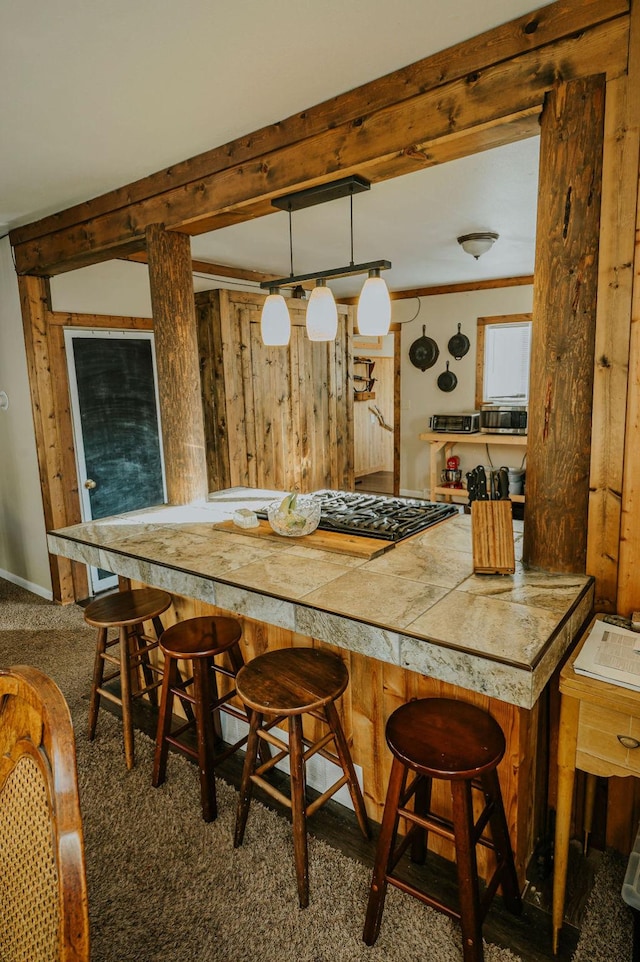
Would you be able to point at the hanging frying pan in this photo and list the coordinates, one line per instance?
(447, 380)
(424, 351)
(459, 344)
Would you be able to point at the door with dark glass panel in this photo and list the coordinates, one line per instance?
(114, 403)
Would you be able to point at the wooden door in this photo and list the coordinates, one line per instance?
(116, 429)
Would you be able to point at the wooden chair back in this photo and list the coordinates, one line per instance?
(43, 891)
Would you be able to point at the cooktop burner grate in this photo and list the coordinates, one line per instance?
(379, 516)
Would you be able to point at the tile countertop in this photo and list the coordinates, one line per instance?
(418, 605)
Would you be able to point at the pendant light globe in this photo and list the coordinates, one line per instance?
(275, 323)
(374, 306)
(322, 314)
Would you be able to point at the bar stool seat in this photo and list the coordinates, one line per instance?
(127, 611)
(199, 641)
(454, 741)
(282, 686)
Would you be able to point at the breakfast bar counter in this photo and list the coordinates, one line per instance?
(412, 621)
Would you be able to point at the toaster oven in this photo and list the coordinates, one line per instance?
(455, 423)
(502, 419)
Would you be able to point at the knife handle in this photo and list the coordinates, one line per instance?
(481, 484)
(503, 484)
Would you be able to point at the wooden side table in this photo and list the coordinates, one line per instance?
(599, 734)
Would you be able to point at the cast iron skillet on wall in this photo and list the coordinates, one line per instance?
(459, 344)
(447, 380)
(424, 351)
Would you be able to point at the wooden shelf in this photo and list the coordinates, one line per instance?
(441, 442)
(364, 395)
(462, 493)
(477, 438)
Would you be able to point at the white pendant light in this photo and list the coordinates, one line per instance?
(322, 314)
(275, 323)
(374, 306)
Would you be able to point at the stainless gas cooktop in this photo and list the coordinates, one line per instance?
(379, 516)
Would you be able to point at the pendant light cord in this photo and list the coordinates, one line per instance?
(351, 224)
(290, 244)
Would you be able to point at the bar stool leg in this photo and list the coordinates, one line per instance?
(169, 678)
(421, 805)
(143, 661)
(298, 808)
(344, 755)
(244, 798)
(98, 672)
(470, 920)
(125, 686)
(384, 852)
(206, 738)
(502, 842)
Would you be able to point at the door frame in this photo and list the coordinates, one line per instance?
(96, 582)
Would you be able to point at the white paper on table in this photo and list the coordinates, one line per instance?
(611, 654)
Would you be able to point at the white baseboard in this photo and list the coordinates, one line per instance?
(407, 493)
(28, 585)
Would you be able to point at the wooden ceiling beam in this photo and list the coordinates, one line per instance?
(479, 100)
(462, 143)
(534, 30)
(459, 288)
(215, 270)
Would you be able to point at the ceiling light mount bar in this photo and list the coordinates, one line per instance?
(322, 193)
(346, 271)
(374, 305)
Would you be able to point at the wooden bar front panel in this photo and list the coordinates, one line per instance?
(375, 690)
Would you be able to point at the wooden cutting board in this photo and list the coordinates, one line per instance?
(350, 544)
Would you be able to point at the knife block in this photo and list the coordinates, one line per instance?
(492, 538)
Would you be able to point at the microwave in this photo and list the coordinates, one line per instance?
(503, 419)
(455, 423)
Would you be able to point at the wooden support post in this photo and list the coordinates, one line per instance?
(50, 405)
(628, 580)
(176, 339)
(563, 337)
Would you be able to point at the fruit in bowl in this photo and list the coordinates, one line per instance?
(294, 516)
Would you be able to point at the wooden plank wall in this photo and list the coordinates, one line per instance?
(375, 690)
(373, 444)
(275, 417)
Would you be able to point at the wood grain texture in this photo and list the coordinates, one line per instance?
(628, 599)
(536, 29)
(373, 444)
(177, 365)
(492, 537)
(477, 99)
(281, 417)
(615, 284)
(375, 690)
(49, 430)
(563, 336)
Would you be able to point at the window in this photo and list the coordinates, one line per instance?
(502, 370)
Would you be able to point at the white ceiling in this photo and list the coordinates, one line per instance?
(97, 93)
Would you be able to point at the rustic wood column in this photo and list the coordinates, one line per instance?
(564, 315)
(629, 580)
(52, 426)
(174, 317)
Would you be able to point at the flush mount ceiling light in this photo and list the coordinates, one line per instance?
(374, 306)
(478, 243)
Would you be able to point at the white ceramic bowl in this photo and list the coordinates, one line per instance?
(294, 524)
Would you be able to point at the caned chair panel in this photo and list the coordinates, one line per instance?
(43, 893)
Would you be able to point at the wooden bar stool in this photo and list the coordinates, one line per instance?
(199, 641)
(285, 685)
(457, 742)
(127, 611)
